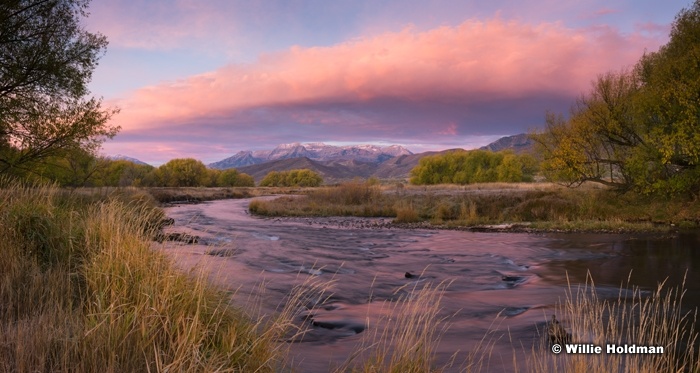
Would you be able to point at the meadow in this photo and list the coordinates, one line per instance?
(529, 206)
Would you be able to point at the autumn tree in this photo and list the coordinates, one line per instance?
(475, 166)
(300, 178)
(602, 137)
(637, 129)
(233, 178)
(183, 172)
(121, 173)
(46, 62)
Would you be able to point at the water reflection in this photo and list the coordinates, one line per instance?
(520, 276)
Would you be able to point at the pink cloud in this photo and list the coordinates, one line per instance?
(474, 79)
(474, 60)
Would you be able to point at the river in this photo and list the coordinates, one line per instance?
(522, 276)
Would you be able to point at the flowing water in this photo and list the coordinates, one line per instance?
(521, 276)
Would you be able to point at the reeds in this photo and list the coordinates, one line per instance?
(635, 317)
(406, 337)
(82, 290)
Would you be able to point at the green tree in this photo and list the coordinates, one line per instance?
(233, 178)
(184, 172)
(475, 166)
(636, 129)
(121, 173)
(46, 62)
(599, 139)
(302, 178)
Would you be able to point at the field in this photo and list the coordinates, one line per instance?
(522, 206)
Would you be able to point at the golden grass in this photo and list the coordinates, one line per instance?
(548, 206)
(81, 290)
(635, 317)
(406, 337)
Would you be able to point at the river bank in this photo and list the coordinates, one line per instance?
(518, 207)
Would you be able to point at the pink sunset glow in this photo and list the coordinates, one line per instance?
(436, 87)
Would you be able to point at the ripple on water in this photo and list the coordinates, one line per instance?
(265, 237)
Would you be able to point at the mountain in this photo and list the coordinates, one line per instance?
(517, 143)
(120, 157)
(331, 171)
(313, 151)
(338, 163)
(338, 170)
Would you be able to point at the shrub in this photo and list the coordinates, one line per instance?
(299, 178)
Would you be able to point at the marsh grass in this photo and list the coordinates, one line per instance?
(634, 317)
(82, 290)
(406, 337)
(547, 206)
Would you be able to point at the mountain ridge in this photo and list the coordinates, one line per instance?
(314, 151)
(398, 167)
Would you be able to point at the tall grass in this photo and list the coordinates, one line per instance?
(405, 339)
(634, 317)
(547, 207)
(81, 290)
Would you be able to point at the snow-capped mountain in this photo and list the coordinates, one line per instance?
(316, 151)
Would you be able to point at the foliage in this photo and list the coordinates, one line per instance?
(637, 129)
(122, 173)
(46, 63)
(476, 166)
(183, 172)
(77, 167)
(301, 178)
(233, 178)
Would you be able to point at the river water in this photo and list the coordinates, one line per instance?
(520, 276)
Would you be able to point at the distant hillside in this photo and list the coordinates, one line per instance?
(120, 157)
(313, 151)
(331, 171)
(336, 164)
(517, 143)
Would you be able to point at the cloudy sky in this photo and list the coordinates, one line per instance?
(206, 79)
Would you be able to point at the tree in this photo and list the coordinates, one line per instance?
(184, 172)
(636, 129)
(301, 178)
(475, 166)
(233, 178)
(601, 137)
(46, 62)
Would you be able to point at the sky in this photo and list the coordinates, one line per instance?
(207, 79)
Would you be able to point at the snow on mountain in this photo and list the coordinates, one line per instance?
(316, 151)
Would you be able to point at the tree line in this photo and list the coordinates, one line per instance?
(475, 166)
(81, 168)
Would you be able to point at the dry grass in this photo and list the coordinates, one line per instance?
(548, 206)
(406, 337)
(635, 317)
(81, 290)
